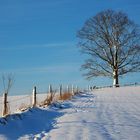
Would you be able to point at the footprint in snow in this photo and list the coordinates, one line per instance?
(84, 121)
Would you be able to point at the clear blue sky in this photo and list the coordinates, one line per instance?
(38, 40)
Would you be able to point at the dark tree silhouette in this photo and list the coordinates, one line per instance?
(111, 41)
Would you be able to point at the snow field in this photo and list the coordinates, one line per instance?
(104, 114)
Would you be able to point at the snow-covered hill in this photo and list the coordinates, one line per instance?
(104, 114)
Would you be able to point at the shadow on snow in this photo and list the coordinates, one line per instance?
(30, 123)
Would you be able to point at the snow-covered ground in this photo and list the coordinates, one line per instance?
(20, 101)
(104, 114)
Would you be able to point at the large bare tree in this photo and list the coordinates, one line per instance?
(111, 41)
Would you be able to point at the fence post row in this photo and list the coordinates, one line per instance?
(5, 106)
(34, 97)
(5, 109)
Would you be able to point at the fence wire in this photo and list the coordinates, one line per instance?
(19, 102)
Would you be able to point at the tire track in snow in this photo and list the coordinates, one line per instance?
(116, 117)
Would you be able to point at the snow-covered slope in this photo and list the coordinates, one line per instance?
(104, 114)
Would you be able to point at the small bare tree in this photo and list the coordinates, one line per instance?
(7, 81)
(111, 40)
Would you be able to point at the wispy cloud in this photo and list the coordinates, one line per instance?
(37, 46)
(54, 69)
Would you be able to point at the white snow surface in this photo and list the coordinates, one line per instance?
(104, 114)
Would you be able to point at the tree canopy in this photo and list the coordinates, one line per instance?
(111, 41)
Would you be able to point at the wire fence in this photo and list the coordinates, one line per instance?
(22, 102)
(110, 86)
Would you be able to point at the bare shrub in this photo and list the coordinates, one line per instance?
(23, 107)
(65, 96)
(49, 99)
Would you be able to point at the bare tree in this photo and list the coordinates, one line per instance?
(111, 40)
(7, 81)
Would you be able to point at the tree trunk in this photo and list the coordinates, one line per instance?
(5, 107)
(115, 78)
(34, 97)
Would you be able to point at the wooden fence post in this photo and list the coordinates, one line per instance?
(72, 90)
(89, 88)
(77, 89)
(67, 88)
(50, 88)
(51, 92)
(60, 91)
(5, 106)
(34, 97)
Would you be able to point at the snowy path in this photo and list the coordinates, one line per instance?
(100, 116)
(107, 114)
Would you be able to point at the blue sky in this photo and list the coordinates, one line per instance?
(38, 42)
